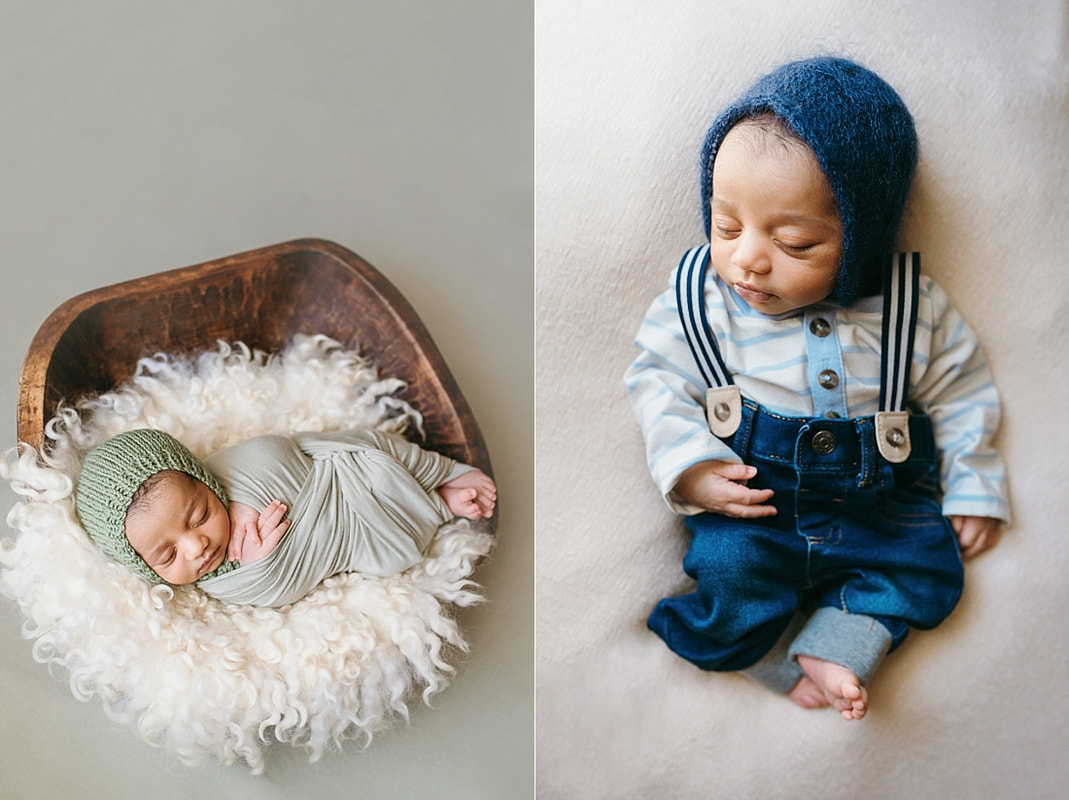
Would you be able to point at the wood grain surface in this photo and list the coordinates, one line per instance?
(92, 342)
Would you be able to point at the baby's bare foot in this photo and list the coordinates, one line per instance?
(807, 694)
(839, 685)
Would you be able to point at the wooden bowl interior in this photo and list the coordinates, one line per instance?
(92, 342)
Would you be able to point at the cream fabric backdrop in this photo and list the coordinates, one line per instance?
(624, 93)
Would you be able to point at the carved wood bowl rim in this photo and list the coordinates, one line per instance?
(386, 329)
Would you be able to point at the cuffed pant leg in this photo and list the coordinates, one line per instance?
(856, 641)
(777, 670)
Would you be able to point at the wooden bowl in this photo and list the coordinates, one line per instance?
(92, 342)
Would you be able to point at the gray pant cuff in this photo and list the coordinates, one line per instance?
(856, 641)
(776, 670)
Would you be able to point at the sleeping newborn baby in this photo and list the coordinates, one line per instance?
(264, 521)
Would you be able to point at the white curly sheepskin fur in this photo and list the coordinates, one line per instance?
(199, 677)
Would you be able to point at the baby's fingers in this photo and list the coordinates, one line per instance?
(734, 471)
(748, 503)
(483, 506)
(977, 542)
(975, 534)
(272, 515)
(749, 512)
(733, 492)
(237, 539)
(275, 535)
(468, 504)
(487, 503)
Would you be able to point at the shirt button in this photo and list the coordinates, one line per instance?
(833, 415)
(829, 379)
(820, 327)
(823, 442)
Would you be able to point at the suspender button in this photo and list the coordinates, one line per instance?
(722, 411)
(895, 437)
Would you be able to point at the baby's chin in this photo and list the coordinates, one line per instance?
(172, 582)
(217, 561)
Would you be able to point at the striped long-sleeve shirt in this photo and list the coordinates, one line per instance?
(778, 361)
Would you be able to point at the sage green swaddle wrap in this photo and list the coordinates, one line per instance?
(359, 501)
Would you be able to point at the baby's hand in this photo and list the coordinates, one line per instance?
(254, 535)
(976, 534)
(242, 520)
(472, 495)
(720, 487)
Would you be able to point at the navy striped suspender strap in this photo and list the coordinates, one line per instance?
(901, 290)
(901, 287)
(690, 300)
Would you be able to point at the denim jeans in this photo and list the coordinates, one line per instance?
(852, 531)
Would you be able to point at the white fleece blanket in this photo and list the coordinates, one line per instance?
(625, 92)
(208, 680)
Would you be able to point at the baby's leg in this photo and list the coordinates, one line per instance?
(838, 652)
(746, 573)
(838, 686)
(779, 672)
(784, 675)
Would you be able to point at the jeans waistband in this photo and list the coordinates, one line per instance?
(821, 443)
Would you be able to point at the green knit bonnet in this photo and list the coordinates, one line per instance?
(111, 475)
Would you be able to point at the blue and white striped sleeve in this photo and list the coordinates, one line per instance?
(956, 389)
(668, 397)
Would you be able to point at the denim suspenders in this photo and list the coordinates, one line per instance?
(723, 398)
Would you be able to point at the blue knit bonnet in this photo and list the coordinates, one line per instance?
(863, 137)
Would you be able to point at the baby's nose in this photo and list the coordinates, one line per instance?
(750, 253)
(194, 545)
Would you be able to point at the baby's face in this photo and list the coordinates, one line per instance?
(182, 530)
(775, 237)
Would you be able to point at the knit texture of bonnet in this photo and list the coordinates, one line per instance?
(111, 475)
(864, 139)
